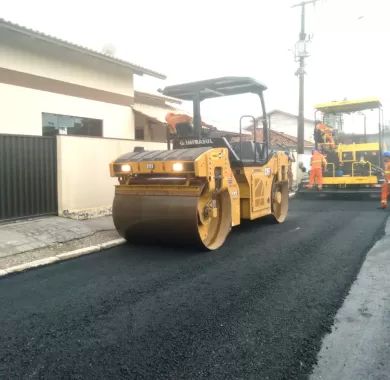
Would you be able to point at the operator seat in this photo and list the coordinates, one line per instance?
(245, 151)
(184, 129)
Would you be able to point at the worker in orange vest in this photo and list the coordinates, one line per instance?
(317, 162)
(176, 118)
(324, 133)
(386, 185)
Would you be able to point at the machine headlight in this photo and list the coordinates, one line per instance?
(126, 168)
(177, 167)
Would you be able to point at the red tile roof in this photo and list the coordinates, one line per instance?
(281, 139)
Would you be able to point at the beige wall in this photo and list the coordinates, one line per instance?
(85, 188)
(158, 132)
(17, 52)
(21, 111)
(152, 131)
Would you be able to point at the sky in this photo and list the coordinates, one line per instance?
(199, 39)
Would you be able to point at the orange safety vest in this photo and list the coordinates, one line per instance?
(387, 171)
(317, 160)
(322, 127)
(326, 131)
(173, 118)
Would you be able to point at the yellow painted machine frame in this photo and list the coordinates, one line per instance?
(249, 187)
(347, 106)
(355, 148)
(352, 179)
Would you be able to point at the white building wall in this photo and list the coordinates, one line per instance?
(21, 111)
(17, 52)
(288, 124)
(85, 188)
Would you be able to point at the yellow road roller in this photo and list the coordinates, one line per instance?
(204, 184)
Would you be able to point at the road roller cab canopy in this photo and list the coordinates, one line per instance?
(213, 88)
(219, 87)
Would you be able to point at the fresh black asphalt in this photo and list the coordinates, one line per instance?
(255, 309)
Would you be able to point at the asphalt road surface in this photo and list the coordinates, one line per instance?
(255, 309)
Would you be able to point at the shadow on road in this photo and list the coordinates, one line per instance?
(349, 197)
(155, 249)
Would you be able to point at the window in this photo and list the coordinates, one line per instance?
(139, 134)
(53, 124)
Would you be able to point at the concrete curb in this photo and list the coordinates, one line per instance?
(62, 256)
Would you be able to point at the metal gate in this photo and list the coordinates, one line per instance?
(28, 176)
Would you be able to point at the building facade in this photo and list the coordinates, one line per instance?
(285, 122)
(49, 86)
(70, 105)
(150, 112)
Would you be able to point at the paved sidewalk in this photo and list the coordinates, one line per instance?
(39, 241)
(358, 348)
(28, 240)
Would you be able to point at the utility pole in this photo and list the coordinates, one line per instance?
(300, 55)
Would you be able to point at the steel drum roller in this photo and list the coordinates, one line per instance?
(181, 220)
